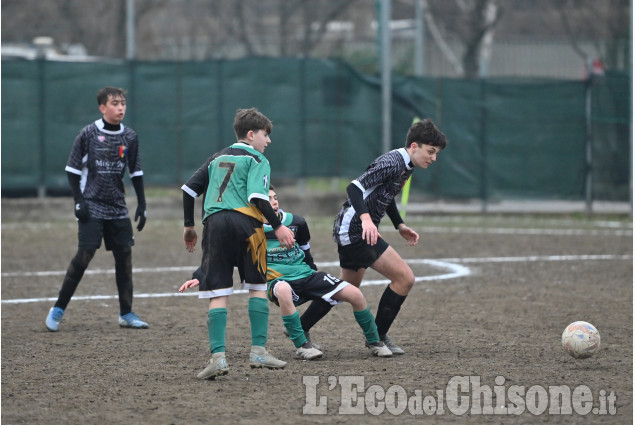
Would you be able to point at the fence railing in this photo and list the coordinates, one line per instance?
(509, 138)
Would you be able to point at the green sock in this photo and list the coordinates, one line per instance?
(293, 325)
(259, 318)
(216, 324)
(366, 321)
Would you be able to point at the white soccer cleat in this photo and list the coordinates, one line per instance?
(309, 353)
(379, 349)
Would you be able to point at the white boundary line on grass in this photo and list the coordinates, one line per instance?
(454, 271)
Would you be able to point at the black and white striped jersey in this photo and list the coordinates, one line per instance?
(380, 183)
(100, 157)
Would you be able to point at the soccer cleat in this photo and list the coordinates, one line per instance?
(131, 320)
(217, 367)
(308, 338)
(308, 353)
(379, 349)
(53, 319)
(391, 345)
(259, 357)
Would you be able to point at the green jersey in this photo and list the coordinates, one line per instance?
(287, 263)
(237, 174)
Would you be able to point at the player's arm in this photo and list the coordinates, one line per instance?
(140, 214)
(302, 237)
(197, 276)
(189, 231)
(265, 208)
(356, 198)
(393, 213)
(74, 174)
(192, 189)
(283, 233)
(136, 176)
(81, 209)
(411, 237)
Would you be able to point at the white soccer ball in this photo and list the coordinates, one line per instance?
(580, 339)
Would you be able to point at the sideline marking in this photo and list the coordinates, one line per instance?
(455, 271)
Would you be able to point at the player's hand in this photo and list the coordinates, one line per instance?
(369, 231)
(141, 216)
(285, 236)
(411, 237)
(189, 284)
(190, 237)
(81, 210)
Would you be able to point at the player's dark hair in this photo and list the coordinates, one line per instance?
(426, 133)
(272, 187)
(247, 120)
(106, 92)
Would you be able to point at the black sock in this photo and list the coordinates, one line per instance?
(74, 274)
(316, 311)
(123, 277)
(389, 305)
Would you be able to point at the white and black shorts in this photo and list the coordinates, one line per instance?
(318, 285)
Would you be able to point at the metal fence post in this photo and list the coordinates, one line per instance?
(589, 141)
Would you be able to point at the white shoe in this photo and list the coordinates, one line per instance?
(259, 357)
(309, 353)
(379, 349)
(217, 367)
(391, 345)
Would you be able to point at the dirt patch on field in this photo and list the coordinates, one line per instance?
(490, 309)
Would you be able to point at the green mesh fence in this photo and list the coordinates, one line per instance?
(509, 138)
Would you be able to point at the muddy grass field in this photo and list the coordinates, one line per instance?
(481, 329)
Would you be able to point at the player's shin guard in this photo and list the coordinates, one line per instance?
(123, 276)
(316, 311)
(389, 306)
(366, 321)
(296, 334)
(74, 274)
(216, 325)
(259, 319)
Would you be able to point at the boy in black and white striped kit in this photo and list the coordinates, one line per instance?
(370, 197)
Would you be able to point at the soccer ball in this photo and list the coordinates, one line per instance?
(580, 339)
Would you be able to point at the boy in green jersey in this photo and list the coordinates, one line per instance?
(235, 182)
(292, 280)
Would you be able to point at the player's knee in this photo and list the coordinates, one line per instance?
(83, 257)
(410, 279)
(356, 298)
(283, 291)
(406, 281)
(122, 251)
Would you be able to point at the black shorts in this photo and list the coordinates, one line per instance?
(232, 239)
(115, 233)
(318, 285)
(360, 254)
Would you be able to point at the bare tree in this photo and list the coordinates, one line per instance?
(201, 29)
(473, 22)
(594, 21)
